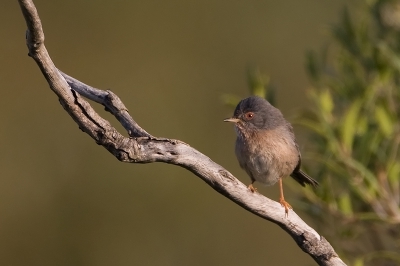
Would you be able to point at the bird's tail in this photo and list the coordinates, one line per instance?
(303, 178)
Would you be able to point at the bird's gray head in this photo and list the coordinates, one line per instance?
(256, 113)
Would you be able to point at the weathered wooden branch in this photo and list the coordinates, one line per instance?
(141, 147)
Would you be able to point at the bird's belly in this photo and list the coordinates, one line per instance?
(267, 162)
(260, 168)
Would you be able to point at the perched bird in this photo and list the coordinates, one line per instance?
(265, 146)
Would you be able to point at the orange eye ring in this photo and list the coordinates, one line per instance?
(249, 115)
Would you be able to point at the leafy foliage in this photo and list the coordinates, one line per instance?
(355, 136)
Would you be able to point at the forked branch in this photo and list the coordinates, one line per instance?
(141, 147)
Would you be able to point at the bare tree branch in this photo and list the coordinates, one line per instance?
(141, 147)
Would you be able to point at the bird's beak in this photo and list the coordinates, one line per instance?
(233, 120)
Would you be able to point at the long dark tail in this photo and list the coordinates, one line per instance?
(303, 178)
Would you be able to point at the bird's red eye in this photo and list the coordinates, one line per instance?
(249, 115)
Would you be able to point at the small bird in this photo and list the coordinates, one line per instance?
(266, 147)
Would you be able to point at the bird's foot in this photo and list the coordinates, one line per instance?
(286, 205)
(252, 189)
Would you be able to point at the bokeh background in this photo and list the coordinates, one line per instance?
(66, 201)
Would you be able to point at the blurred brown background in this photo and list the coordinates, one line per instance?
(66, 201)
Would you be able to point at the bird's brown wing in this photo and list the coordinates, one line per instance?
(298, 174)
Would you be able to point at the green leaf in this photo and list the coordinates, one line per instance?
(348, 127)
(394, 174)
(358, 262)
(362, 125)
(383, 119)
(345, 204)
(258, 82)
(326, 102)
(230, 100)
